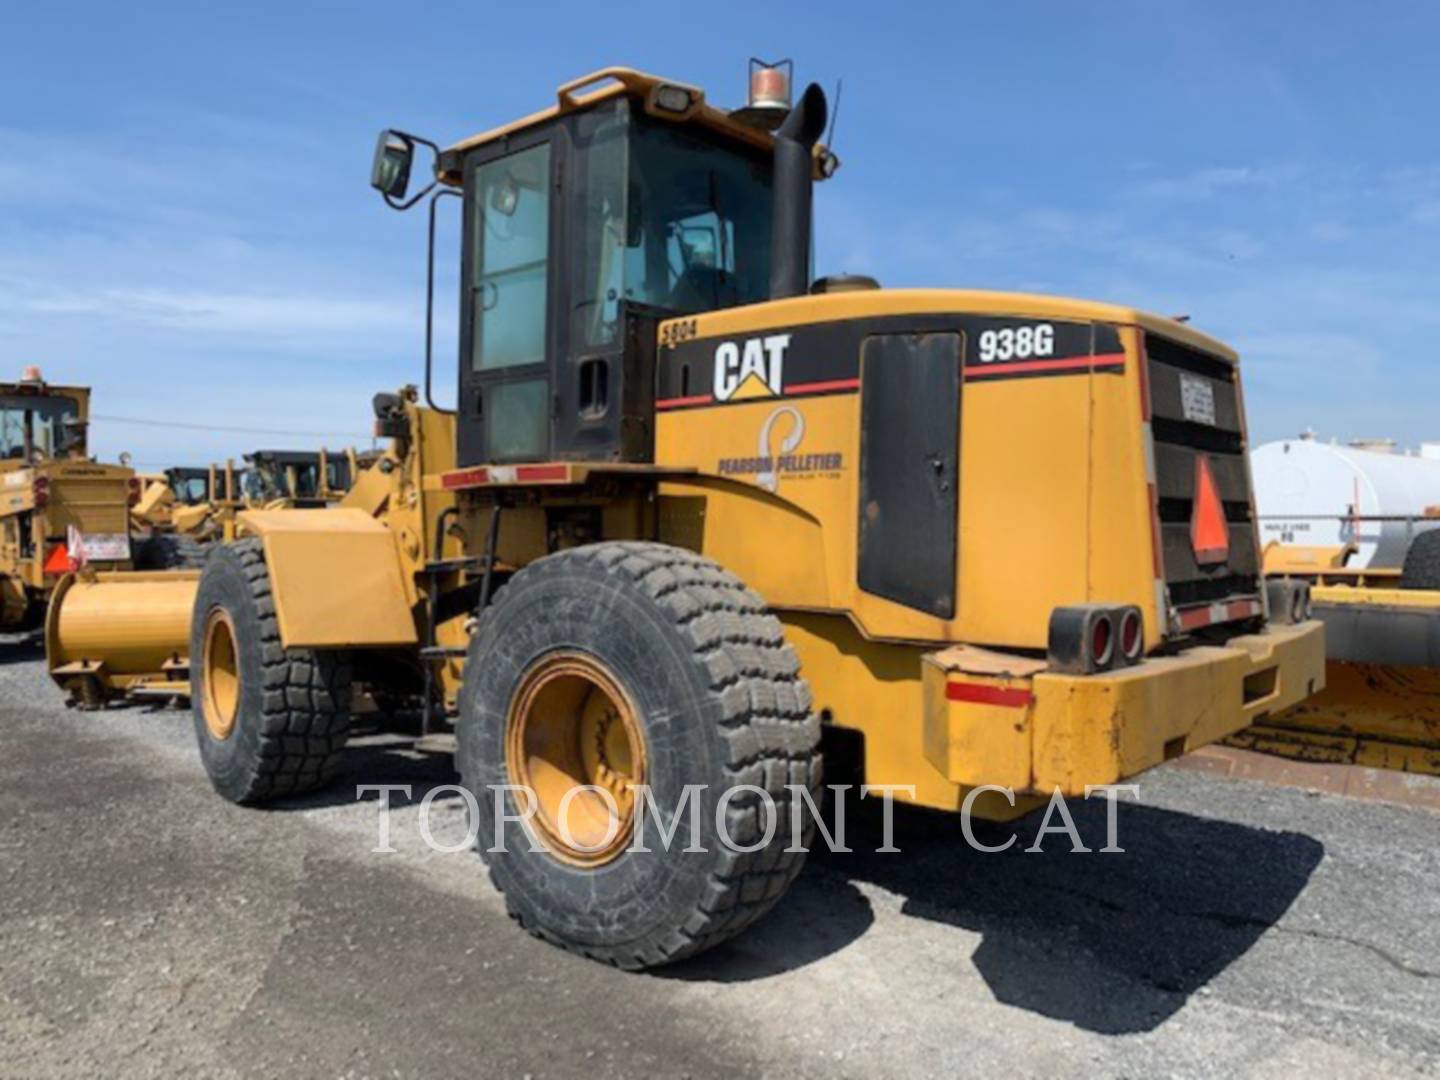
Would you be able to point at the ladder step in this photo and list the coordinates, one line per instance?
(442, 652)
(450, 566)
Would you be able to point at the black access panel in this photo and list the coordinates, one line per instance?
(909, 468)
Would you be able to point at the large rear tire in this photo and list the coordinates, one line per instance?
(270, 721)
(635, 663)
(1422, 562)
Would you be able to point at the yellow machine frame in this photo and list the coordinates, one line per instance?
(1057, 506)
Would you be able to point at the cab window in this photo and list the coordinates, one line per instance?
(666, 219)
(46, 422)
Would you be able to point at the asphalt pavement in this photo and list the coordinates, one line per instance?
(148, 928)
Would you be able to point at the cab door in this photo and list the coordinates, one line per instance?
(506, 336)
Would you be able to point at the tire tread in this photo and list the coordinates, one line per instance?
(770, 731)
(304, 716)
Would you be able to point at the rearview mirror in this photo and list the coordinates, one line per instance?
(390, 171)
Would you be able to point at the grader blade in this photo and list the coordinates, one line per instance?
(1381, 702)
(124, 633)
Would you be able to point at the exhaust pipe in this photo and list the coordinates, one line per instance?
(793, 192)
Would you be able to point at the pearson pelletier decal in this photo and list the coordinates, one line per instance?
(782, 460)
(824, 359)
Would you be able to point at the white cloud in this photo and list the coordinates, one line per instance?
(229, 313)
(1201, 184)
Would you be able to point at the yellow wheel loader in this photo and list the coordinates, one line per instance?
(58, 508)
(1381, 703)
(698, 521)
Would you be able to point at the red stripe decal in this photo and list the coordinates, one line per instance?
(829, 386)
(468, 478)
(823, 387)
(1204, 615)
(1143, 367)
(681, 402)
(533, 473)
(1157, 558)
(1200, 616)
(981, 694)
(1064, 363)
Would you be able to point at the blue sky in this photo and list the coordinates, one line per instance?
(185, 221)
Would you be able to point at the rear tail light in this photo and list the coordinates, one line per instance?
(40, 492)
(1086, 638)
(1132, 635)
(1102, 639)
(136, 488)
(1289, 601)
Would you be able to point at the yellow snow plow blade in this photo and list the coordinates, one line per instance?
(1381, 702)
(112, 634)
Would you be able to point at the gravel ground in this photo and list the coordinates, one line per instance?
(148, 928)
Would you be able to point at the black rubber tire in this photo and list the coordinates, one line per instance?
(293, 715)
(721, 703)
(171, 551)
(1422, 562)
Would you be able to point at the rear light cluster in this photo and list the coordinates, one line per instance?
(1086, 638)
(40, 492)
(1289, 601)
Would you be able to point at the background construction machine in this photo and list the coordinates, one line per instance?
(693, 511)
(1358, 524)
(121, 633)
(58, 508)
(303, 478)
(183, 510)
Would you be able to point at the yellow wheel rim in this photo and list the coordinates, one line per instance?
(571, 725)
(221, 675)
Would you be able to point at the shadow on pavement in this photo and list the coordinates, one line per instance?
(820, 915)
(21, 648)
(372, 757)
(1113, 943)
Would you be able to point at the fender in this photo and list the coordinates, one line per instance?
(336, 577)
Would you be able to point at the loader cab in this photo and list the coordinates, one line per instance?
(190, 486)
(580, 235)
(39, 422)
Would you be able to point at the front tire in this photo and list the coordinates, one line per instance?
(635, 663)
(270, 721)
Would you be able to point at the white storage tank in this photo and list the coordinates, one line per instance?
(1306, 492)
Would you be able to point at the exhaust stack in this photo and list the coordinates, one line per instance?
(794, 189)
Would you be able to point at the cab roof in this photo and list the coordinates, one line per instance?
(43, 389)
(603, 85)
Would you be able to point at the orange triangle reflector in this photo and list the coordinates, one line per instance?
(58, 561)
(1209, 531)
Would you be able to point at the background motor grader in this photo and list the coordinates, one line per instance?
(1381, 703)
(695, 515)
(184, 509)
(121, 633)
(57, 506)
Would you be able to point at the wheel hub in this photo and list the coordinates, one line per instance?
(221, 675)
(571, 726)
